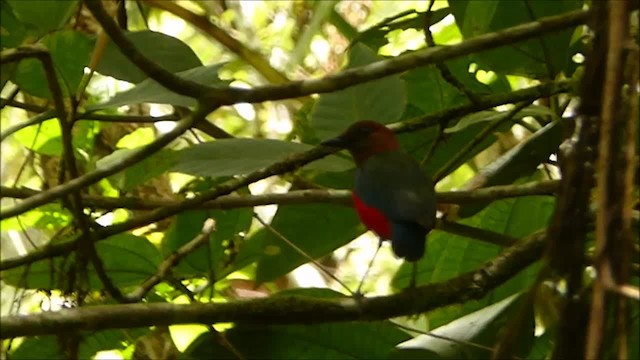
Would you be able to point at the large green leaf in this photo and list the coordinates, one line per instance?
(324, 341)
(149, 91)
(449, 255)
(228, 157)
(170, 53)
(44, 138)
(376, 36)
(70, 51)
(43, 16)
(152, 166)
(317, 229)
(229, 227)
(128, 259)
(520, 161)
(13, 31)
(482, 327)
(538, 58)
(491, 115)
(382, 100)
(39, 347)
(430, 92)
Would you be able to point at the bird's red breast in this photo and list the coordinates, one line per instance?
(373, 219)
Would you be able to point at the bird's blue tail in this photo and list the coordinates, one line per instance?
(408, 240)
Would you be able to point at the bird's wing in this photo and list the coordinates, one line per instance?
(394, 183)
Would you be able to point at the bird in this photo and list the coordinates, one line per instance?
(392, 195)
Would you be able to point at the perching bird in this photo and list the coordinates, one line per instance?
(392, 195)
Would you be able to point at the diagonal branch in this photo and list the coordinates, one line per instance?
(286, 309)
(344, 79)
(252, 57)
(324, 196)
(171, 261)
(103, 172)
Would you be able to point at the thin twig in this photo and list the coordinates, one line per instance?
(446, 74)
(201, 22)
(302, 252)
(172, 260)
(490, 128)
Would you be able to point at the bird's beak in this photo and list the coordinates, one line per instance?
(338, 142)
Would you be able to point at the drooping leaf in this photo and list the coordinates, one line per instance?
(317, 229)
(70, 52)
(481, 327)
(128, 259)
(375, 36)
(520, 161)
(149, 91)
(449, 255)
(324, 341)
(13, 30)
(170, 53)
(381, 100)
(228, 157)
(489, 115)
(39, 347)
(43, 16)
(152, 166)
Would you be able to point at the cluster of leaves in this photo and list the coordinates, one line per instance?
(238, 246)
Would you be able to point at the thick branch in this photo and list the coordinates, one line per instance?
(103, 172)
(325, 196)
(285, 309)
(252, 57)
(403, 63)
(377, 70)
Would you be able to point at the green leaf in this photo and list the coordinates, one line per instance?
(128, 259)
(39, 347)
(522, 160)
(449, 255)
(51, 216)
(490, 115)
(480, 22)
(145, 170)
(542, 57)
(324, 341)
(481, 327)
(13, 31)
(229, 229)
(70, 52)
(317, 229)
(43, 16)
(45, 138)
(149, 91)
(170, 53)
(375, 36)
(430, 92)
(382, 100)
(227, 157)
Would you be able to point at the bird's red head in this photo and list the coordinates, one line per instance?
(364, 139)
